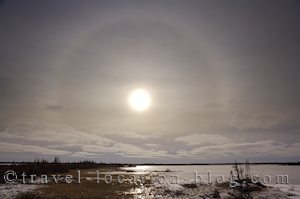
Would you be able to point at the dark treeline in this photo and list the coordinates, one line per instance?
(40, 166)
(88, 162)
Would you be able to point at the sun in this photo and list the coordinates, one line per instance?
(139, 100)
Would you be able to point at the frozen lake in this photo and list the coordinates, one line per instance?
(187, 172)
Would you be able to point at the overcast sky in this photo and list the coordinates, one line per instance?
(223, 77)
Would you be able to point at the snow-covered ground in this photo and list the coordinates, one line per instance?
(293, 191)
(290, 191)
(181, 191)
(8, 191)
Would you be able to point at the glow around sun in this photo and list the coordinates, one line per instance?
(139, 100)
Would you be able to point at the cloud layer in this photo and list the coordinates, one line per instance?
(40, 139)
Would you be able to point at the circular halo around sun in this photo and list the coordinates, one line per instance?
(139, 100)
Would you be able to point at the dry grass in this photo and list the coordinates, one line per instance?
(86, 189)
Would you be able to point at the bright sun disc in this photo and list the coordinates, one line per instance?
(139, 100)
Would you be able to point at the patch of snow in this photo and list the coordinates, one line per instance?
(293, 191)
(8, 191)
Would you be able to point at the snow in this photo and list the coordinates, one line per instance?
(293, 191)
(8, 191)
(210, 191)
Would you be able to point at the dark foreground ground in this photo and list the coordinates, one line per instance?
(57, 187)
(87, 188)
(91, 186)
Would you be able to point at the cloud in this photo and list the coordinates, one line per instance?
(127, 134)
(259, 148)
(65, 140)
(14, 147)
(127, 150)
(244, 121)
(37, 138)
(54, 107)
(38, 132)
(84, 155)
(203, 139)
(151, 145)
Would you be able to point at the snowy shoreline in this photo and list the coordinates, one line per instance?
(8, 191)
(193, 191)
(293, 191)
(183, 191)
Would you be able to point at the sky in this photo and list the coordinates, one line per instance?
(223, 78)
